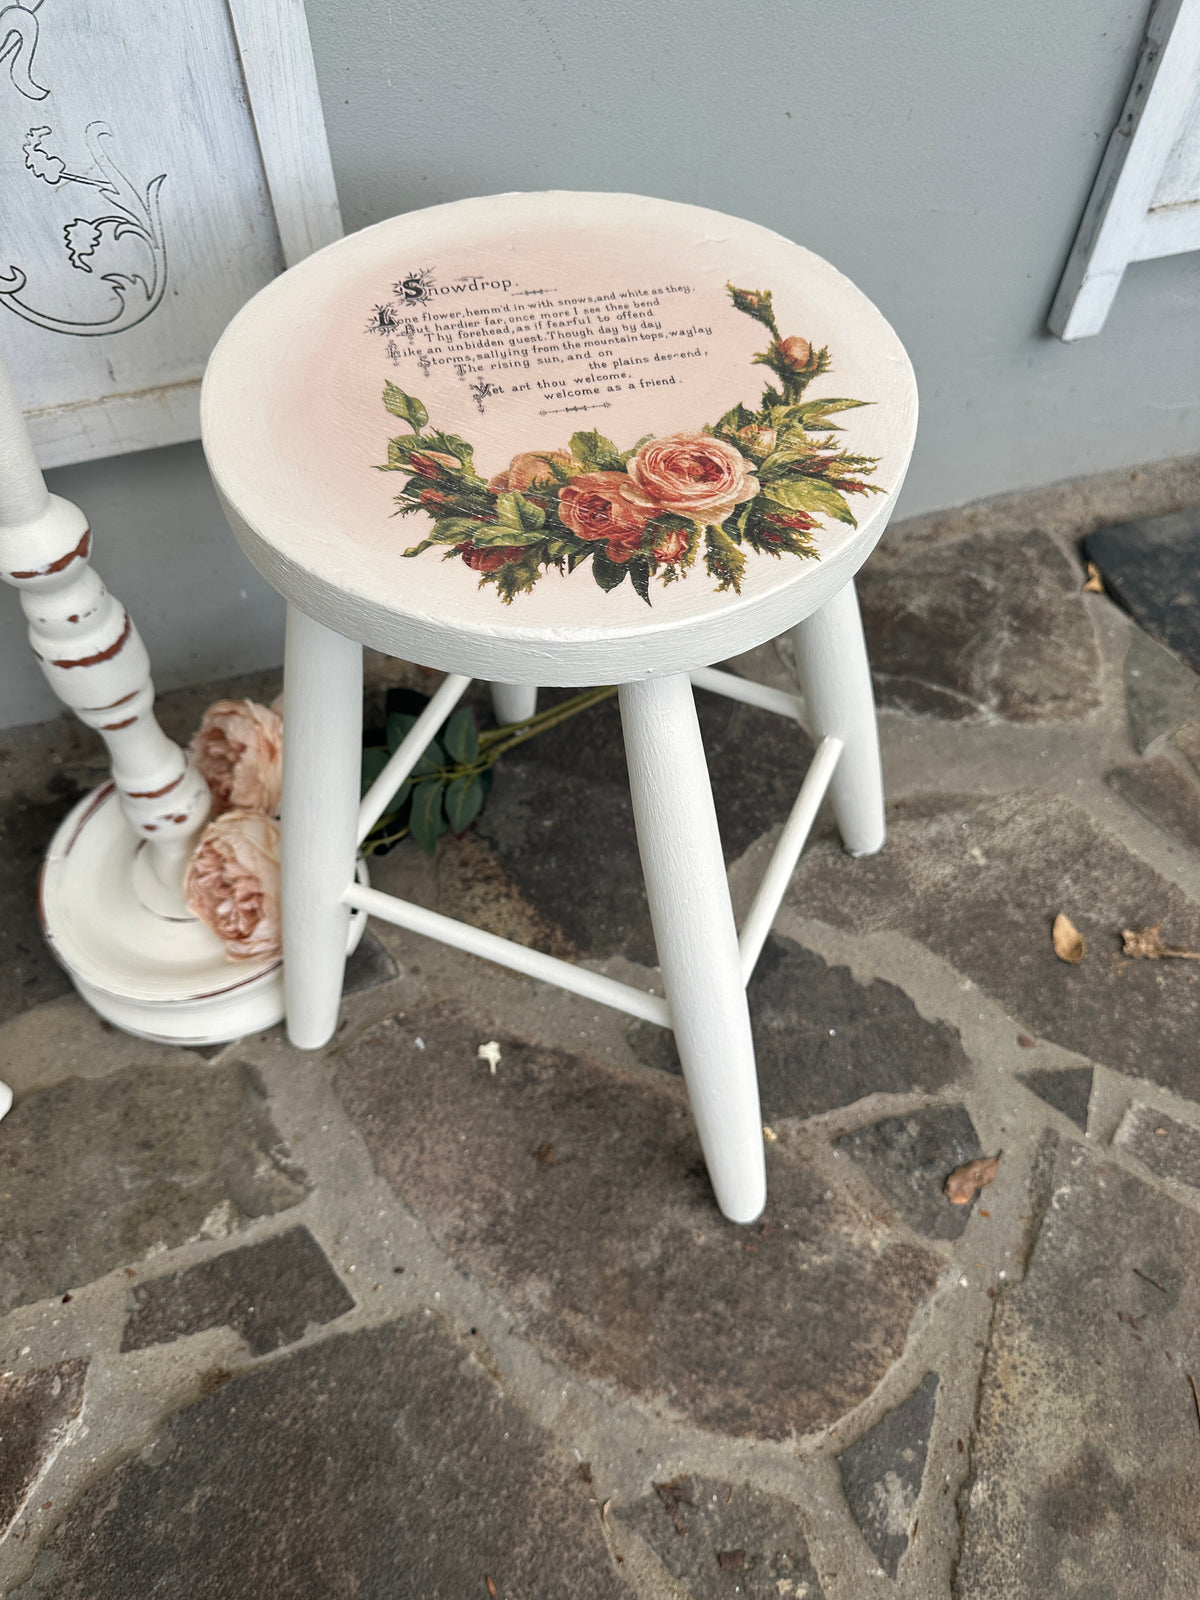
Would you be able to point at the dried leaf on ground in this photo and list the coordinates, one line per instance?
(1068, 941)
(1095, 583)
(673, 1495)
(1147, 943)
(731, 1560)
(965, 1182)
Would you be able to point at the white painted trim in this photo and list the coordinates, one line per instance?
(409, 752)
(281, 87)
(285, 107)
(1118, 225)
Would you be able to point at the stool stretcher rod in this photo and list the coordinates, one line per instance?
(410, 751)
(782, 864)
(751, 693)
(549, 969)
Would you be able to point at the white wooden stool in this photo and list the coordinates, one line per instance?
(568, 439)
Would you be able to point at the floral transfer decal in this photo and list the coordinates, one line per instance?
(754, 480)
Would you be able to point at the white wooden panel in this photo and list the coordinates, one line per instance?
(136, 213)
(1142, 199)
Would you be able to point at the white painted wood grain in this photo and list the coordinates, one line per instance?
(1157, 126)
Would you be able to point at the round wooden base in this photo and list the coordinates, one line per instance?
(160, 977)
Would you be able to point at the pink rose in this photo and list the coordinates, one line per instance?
(671, 547)
(239, 749)
(796, 352)
(604, 506)
(693, 475)
(530, 467)
(232, 884)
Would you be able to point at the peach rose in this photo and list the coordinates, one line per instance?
(604, 506)
(239, 749)
(232, 884)
(530, 467)
(693, 475)
(796, 352)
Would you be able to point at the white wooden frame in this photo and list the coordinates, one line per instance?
(276, 60)
(1138, 210)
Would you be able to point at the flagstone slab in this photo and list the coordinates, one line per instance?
(1067, 1089)
(95, 1173)
(36, 1411)
(1152, 566)
(909, 1159)
(1159, 790)
(270, 1293)
(1161, 692)
(979, 879)
(1167, 1147)
(723, 1540)
(29, 974)
(823, 1040)
(988, 627)
(1085, 1466)
(882, 1474)
(372, 1466)
(560, 822)
(580, 1197)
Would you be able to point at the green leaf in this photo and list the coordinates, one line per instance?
(405, 406)
(810, 494)
(464, 800)
(639, 576)
(496, 535)
(514, 511)
(432, 759)
(725, 562)
(596, 452)
(736, 419)
(454, 530)
(461, 737)
(399, 726)
(608, 574)
(427, 821)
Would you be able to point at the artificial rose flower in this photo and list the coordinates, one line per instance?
(604, 506)
(232, 883)
(239, 749)
(693, 475)
(530, 467)
(671, 547)
(760, 440)
(796, 352)
(483, 559)
(428, 463)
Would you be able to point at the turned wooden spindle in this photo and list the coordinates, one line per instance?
(96, 663)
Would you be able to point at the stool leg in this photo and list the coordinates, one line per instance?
(835, 676)
(695, 934)
(514, 702)
(322, 758)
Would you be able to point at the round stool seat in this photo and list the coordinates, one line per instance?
(559, 438)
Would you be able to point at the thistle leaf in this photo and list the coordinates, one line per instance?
(725, 562)
(404, 406)
(810, 494)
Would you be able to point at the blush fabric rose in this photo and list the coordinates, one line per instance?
(232, 884)
(693, 475)
(797, 352)
(481, 559)
(239, 750)
(601, 506)
(530, 467)
(671, 547)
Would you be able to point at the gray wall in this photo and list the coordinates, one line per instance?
(938, 153)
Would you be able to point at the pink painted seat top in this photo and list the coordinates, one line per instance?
(559, 437)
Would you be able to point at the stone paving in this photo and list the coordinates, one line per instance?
(380, 1321)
